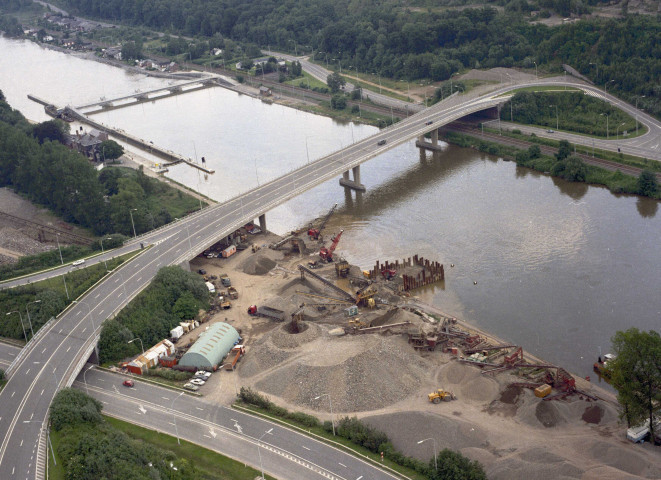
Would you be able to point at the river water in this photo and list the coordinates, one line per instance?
(553, 266)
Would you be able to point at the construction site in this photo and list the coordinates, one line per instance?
(309, 325)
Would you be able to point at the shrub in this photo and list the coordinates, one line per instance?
(72, 407)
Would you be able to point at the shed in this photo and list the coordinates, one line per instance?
(211, 347)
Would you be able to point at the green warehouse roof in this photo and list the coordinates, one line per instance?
(211, 347)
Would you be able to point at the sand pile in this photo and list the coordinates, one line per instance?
(534, 463)
(467, 383)
(257, 265)
(365, 373)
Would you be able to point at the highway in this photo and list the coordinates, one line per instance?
(285, 453)
(55, 356)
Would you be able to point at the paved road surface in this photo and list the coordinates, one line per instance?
(285, 453)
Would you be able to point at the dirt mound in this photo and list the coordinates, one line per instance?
(548, 415)
(364, 375)
(624, 459)
(282, 338)
(257, 265)
(593, 414)
(516, 467)
(479, 389)
(511, 394)
(262, 356)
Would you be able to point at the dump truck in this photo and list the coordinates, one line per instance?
(232, 293)
(224, 302)
(234, 356)
(440, 394)
(225, 280)
(268, 312)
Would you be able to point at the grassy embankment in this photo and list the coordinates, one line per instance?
(211, 465)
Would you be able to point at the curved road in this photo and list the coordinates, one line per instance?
(57, 353)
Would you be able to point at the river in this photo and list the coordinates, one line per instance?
(553, 266)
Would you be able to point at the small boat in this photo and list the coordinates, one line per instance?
(601, 365)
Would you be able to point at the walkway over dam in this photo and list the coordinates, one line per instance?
(56, 355)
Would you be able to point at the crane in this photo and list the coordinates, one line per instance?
(327, 253)
(314, 233)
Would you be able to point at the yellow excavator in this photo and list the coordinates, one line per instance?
(440, 394)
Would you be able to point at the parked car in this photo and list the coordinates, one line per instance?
(78, 262)
(197, 381)
(203, 375)
(202, 271)
(128, 383)
(191, 387)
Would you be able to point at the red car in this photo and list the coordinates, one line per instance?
(128, 383)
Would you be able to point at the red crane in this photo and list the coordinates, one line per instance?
(314, 233)
(327, 253)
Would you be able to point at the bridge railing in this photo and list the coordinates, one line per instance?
(26, 348)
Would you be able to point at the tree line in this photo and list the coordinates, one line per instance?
(34, 162)
(384, 38)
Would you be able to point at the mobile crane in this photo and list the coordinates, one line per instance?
(314, 233)
(327, 253)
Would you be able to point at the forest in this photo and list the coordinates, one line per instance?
(405, 43)
(34, 163)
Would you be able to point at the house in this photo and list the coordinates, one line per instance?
(88, 143)
(150, 358)
(265, 91)
(217, 51)
(113, 52)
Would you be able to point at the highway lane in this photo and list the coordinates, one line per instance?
(57, 353)
(288, 453)
(8, 353)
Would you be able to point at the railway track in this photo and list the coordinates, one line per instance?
(44, 229)
(545, 149)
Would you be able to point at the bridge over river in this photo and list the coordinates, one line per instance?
(55, 356)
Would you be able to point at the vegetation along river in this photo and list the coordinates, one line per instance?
(559, 266)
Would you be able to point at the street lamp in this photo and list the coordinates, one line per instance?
(261, 466)
(433, 440)
(141, 345)
(556, 116)
(28, 311)
(57, 237)
(606, 85)
(85, 379)
(175, 417)
(22, 326)
(133, 224)
(535, 69)
(637, 98)
(617, 131)
(607, 115)
(597, 76)
(455, 73)
(331, 408)
(89, 311)
(104, 260)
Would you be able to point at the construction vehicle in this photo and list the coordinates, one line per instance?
(232, 293)
(225, 280)
(342, 268)
(255, 248)
(358, 323)
(327, 253)
(314, 233)
(225, 303)
(440, 394)
(388, 273)
(234, 356)
(268, 312)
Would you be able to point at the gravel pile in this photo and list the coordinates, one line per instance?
(17, 241)
(257, 265)
(363, 375)
(280, 338)
(262, 356)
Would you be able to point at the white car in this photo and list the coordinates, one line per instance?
(197, 381)
(203, 375)
(78, 262)
(191, 387)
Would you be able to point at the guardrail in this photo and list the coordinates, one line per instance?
(25, 350)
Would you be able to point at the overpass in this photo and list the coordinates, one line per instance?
(55, 356)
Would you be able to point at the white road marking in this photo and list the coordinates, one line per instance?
(12, 393)
(82, 332)
(342, 464)
(96, 296)
(42, 392)
(165, 398)
(206, 436)
(60, 330)
(70, 347)
(28, 371)
(202, 409)
(117, 279)
(44, 350)
(139, 279)
(305, 447)
(78, 313)
(21, 443)
(142, 409)
(100, 312)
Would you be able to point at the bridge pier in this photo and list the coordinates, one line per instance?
(354, 184)
(94, 357)
(262, 222)
(422, 142)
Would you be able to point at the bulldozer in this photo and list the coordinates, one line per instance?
(440, 394)
(365, 296)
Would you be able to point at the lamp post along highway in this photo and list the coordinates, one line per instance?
(433, 440)
(556, 117)
(85, 379)
(259, 453)
(22, 326)
(28, 312)
(617, 131)
(175, 417)
(141, 345)
(57, 238)
(535, 69)
(607, 115)
(132, 223)
(331, 408)
(102, 252)
(89, 311)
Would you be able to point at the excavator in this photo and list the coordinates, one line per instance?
(314, 233)
(327, 253)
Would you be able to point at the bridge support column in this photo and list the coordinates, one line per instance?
(355, 183)
(433, 145)
(262, 222)
(94, 357)
(434, 137)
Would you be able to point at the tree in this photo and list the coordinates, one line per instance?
(572, 169)
(636, 374)
(71, 406)
(534, 151)
(564, 150)
(647, 183)
(53, 130)
(2, 374)
(131, 50)
(111, 150)
(454, 466)
(335, 82)
(338, 102)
